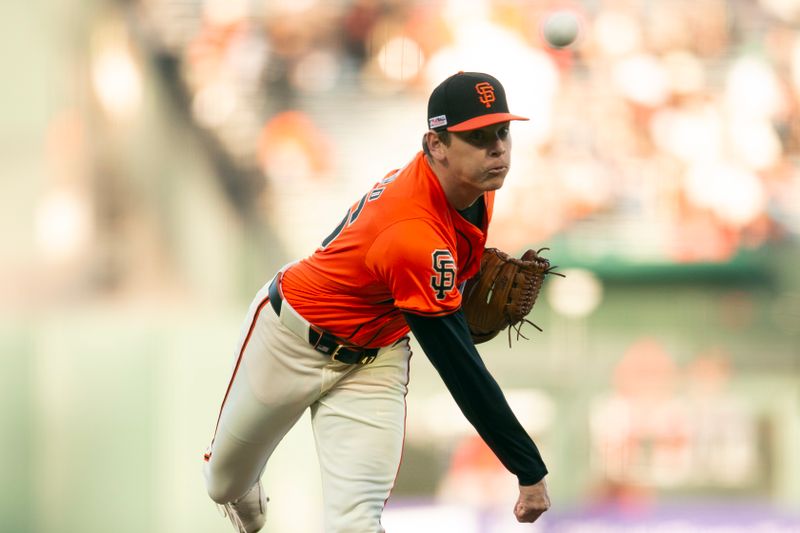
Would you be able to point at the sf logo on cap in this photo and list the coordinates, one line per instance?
(486, 93)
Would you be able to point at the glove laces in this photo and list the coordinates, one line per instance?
(528, 290)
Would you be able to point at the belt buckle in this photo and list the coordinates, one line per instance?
(335, 353)
(363, 360)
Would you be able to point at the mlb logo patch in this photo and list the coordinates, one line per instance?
(437, 122)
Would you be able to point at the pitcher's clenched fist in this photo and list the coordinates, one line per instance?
(533, 501)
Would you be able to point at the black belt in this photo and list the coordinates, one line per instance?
(324, 342)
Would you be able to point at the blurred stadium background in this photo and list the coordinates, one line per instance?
(161, 158)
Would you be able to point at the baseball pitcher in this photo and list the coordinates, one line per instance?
(330, 332)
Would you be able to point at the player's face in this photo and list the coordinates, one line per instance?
(480, 159)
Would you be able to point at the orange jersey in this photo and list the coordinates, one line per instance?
(402, 247)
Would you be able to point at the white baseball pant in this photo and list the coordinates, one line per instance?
(357, 415)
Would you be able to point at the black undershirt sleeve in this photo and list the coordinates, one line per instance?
(447, 343)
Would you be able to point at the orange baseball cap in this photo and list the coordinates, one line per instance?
(467, 101)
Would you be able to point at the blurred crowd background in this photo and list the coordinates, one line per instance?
(162, 158)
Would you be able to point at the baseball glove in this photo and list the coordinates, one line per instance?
(503, 292)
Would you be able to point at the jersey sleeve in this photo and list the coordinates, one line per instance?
(417, 264)
(447, 343)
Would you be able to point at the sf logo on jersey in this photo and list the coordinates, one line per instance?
(444, 279)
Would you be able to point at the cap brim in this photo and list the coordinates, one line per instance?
(484, 120)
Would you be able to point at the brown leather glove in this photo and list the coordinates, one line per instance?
(503, 292)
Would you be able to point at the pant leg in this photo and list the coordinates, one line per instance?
(359, 426)
(277, 377)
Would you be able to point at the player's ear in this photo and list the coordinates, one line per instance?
(436, 148)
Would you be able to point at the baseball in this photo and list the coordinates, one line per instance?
(560, 29)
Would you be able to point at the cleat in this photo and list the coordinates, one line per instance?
(248, 514)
